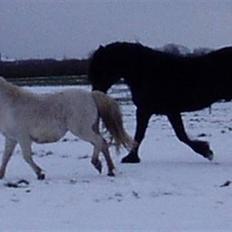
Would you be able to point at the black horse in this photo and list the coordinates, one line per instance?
(164, 83)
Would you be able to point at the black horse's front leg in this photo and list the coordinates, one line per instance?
(142, 119)
(201, 147)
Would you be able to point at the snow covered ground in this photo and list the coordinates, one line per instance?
(172, 189)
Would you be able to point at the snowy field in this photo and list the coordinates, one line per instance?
(172, 189)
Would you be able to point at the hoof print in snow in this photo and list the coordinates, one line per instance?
(226, 184)
(83, 157)
(118, 197)
(202, 135)
(64, 156)
(73, 181)
(44, 153)
(19, 184)
(85, 181)
(49, 153)
(135, 195)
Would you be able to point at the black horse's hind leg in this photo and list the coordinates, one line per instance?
(201, 147)
(142, 119)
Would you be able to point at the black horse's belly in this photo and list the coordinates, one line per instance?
(166, 104)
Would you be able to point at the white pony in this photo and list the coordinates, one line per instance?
(26, 117)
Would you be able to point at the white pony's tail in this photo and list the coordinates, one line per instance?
(111, 116)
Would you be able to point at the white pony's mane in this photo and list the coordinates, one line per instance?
(12, 91)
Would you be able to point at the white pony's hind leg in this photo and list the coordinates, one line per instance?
(96, 151)
(103, 146)
(8, 151)
(91, 134)
(27, 155)
(106, 153)
(100, 145)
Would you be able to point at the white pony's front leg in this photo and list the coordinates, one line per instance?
(8, 151)
(25, 145)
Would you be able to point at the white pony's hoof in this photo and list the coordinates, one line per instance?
(98, 165)
(41, 176)
(111, 174)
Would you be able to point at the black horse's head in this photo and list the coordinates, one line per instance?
(101, 80)
(107, 66)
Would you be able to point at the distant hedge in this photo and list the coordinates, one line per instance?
(43, 68)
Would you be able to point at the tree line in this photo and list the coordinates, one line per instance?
(43, 67)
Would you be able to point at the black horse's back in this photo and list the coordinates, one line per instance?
(164, 83)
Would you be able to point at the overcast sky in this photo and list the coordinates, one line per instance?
(74, 28)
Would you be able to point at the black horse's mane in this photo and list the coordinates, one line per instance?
(140, 49)
(130, 47)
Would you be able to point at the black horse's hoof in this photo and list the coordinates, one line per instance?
(209, 155)
(203, 148)
(133, 159)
